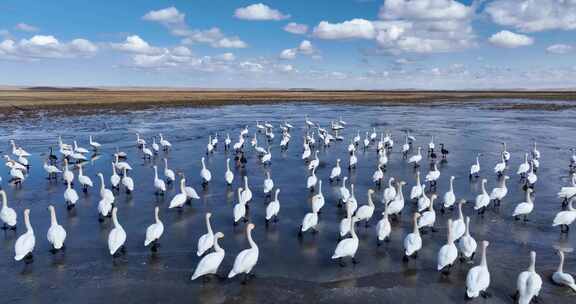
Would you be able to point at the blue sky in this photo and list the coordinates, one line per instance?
(344, 44)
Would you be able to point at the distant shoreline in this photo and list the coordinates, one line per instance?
(66, 98)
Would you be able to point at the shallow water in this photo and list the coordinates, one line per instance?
(290, 269)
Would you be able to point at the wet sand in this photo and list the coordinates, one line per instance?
(290, 270)
(67, 99)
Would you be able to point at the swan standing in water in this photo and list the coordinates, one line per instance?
(268, 184)
(168, 173)
(343, 191)
(500, 167)
(318, 199)
(423, 200)
(206, 240)
(448, 253)
(240, 208)
(351, 203)
(353, 161)
(117, 236)
(365, 212)
(246, 193)
(499, 192)
(413, 241)
(84, 180)
(449, 197)
(228, 176)
(347, 247)
(459, 226)
(565, 218)
(467, 244)
(70, 196)
(164, 143)
(114, 178)
(315, 162)
(205, 174)
(383, 228)
(336, 171)
(56, 234)
(428, 218)
(273, 208)
(312, 180)
(210, 263)
(7, 214)
(247, 258)
(127, 182)
(378, 176)
(179, 199)
(310, 221)
(25, 243)
(159, 184)
(67, 175)
(154, 231)
(475, 168)
(415, 159)
(51, 170)
(389, 192)
(397, 204)
(417, 190)
(562, 278)
(95, 145)
(524, 208)
(529, 283)
(482, 199)
(524, 167)
(478, 277)
(433, 176)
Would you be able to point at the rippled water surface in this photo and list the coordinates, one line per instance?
(290, 269)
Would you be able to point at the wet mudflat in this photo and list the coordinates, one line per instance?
(290, 269)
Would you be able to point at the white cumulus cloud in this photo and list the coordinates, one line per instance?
(507, 39)
(352, 29)
(296, 28)
(534, 16)
(288, 54)
(424, 10)
(135, 44)
(258, 12)
(169, 15)
(46, 46)
(560, 49)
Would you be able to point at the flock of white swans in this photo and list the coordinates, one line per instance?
(460, 243)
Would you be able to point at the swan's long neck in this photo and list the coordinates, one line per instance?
(484, 187)
(250, 240)
(208, 226)
(431, 207)
(101, 181)
(451, 185)
(450, 235)
(344, 182)
(525, 157)
(400, 191)
(80, 172)
(370, 202)
(561, 265)
(418, 177)
(529, 198)
(276, 194)
(115, 218)
(415, 224)
(484, 262)
(228, 164)
(183, 186)
(467, 227)
(4, 200)
(156, 216)
(477, 161)
(53, 220)
(203, 164)
(245, 182)
(353, 228)
(155, 173)
(319, 187)
(460, 213)
(166, 163)
(27, 221)
(532, 267)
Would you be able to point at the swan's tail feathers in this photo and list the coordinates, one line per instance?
(19, 257)
(335, 256)
(573, 286)
(472, 293)
(232, 274)
(147, 242)
(195, 276)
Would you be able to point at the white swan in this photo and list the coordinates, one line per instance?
(310, 221)
(159, 184)
(383, 228)
(459, 226)
(205, 173)
(190, 192)
(467, 244)
(7, 214)
(127, 182)
(228, 176)
(114, 178)
(105, 193)
(345, 224)
(240, 208)
(68, 175)
(529, 282)
(449, 197)
(389, 192)
(51, 170)
(562, 278)
(365, 212)
(154, 231)
(25, 243)
(246, 193)
(168, 173)
(475, 168)
(268, 183)
(273, 208)
(565, 218)
(312, 180)
(501, 166)
(164, 143)
(423, 200)
(433, 175)
(428, 218)
(207, 239)
(336, 171)
(315, 162)
(482, 199)
(179, 199)
(413, 241)
(353, 161)
(70, 196)
(343, 191)
(84, 180)
(247, 258)
(415, 159)
(378, 175)
(148, 154)
(478, 277)
(524, 167)
(79, 149)
(210, 263)
(352, 203)
(524, 208)
(566, 193)
(417, 190)
(318, 199)
(56, 234)
(397, 204)
(117, 235)
(505, 154)
(347, 247)
(499, 192)
(95, 145)
(448, 253)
